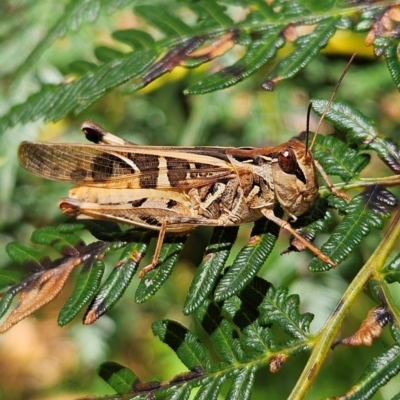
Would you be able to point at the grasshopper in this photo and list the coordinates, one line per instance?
(175, 189)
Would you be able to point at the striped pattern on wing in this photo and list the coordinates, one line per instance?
(126, 166)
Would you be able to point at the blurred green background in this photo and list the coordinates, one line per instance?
(41, 361)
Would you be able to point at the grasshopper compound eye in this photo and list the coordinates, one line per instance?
(287, 161)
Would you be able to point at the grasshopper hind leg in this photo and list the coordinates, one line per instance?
(269, 214)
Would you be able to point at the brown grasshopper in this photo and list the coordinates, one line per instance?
(174, 189)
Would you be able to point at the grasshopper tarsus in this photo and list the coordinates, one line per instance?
(145, 270)
(157, 251)
(337, 193)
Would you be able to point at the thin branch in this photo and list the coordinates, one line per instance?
(326, 336)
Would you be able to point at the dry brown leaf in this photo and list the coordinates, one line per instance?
(370, 328)
(40, 291)
(385, 26)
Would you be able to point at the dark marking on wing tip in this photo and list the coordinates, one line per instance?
(138, 202)
(93, 132)
(171, 204)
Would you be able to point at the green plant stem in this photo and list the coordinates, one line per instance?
(393, 180)
(327, 334)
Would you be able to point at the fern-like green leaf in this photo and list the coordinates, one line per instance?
(85, 288)
(181, 393)
(338, 159)
(211, 389)
(392, 271)
(76, 12)
(250, 259)
(209, 270)
(259, 53)
(23, 255)
(54, 102)
(153, 280)
(256, 336)
(242, 383)
(165, 21)
(10, 277)
(185, 344)
(262, 31)
(65, 243)
(377, 374)
(282, 309)
(222, 333)
(365, 212)
(212, 15)
(241, 341)
(392, 62)
(107, 54)
(5, 303)
(360, 130)
(138, 40)
(117, 282)
(120, 378)
(306, 47)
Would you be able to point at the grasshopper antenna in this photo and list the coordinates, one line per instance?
(329, 102)
(308, 125)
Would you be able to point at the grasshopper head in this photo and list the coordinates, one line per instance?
(294, 177)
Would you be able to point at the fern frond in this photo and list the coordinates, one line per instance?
(262, 32)
(153, 280)
(120, 378)
(379, 371)
(365, 212)
(392, 271)
(209, 271)
(85, 288)
(235, 327)
(250, 259)
(117, 281)
(76, 13)
(361, 131)
(338, 159)
(283, 310)
(307, 47)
